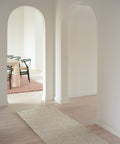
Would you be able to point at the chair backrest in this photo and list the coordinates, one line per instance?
(17, 58)
(27, 62)
(10, 56)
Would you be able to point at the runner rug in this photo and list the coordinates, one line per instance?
(54, 127)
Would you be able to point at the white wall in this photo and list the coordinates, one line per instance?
(29, 35)
(82, 52)
(16, 33)
(58, 74)
(39, 41)
(108, 112)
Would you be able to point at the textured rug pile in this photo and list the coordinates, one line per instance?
(54, 127)
(25, 86)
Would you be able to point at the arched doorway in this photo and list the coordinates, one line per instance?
(82, 52)
(47, 11)
(26, 38)
(68, 42)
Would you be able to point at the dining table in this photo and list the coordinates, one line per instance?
(15, 74)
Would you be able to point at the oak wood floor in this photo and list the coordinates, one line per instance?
(13, 130)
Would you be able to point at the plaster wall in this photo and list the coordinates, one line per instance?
(16, 33)
(29, 35)
(40, 42)
(34, 37)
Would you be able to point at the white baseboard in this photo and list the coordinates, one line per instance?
(61, 101)
(47, 98)
(108, 128)
(84, 93)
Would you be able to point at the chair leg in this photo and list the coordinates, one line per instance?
(28, 75)
(10, 83)
(20, 74)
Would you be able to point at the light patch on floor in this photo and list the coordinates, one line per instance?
(25, 98)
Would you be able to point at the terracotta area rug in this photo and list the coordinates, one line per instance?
(25, 86)
(54, 127)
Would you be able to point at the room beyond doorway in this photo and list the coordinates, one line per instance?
(26, 38)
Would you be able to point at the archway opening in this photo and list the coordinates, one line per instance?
(26, 39)
(82, 52)
(79, 61)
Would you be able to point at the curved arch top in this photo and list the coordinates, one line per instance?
(14, 10)
(26, 32)
(63, 39)
(76, 4)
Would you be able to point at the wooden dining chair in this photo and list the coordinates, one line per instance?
(9, 75)
(24, 67)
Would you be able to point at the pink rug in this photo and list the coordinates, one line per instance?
(25, 86)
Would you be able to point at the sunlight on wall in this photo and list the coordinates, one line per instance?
(16, 32)
(29, 34)
(26, 35)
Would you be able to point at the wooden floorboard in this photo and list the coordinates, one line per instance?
(13, 130)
